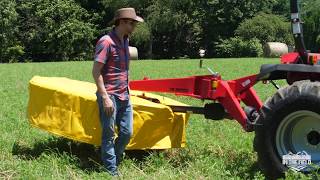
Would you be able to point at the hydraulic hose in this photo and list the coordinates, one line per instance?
(297, 31)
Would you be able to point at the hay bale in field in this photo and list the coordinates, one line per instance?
(133, 53)
(275, 49)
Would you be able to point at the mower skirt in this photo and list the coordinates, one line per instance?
(68, 108)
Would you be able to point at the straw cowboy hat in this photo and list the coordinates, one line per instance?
(126, 13)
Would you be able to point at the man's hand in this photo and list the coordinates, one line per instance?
(108, 105)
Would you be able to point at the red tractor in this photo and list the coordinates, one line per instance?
(288, 122)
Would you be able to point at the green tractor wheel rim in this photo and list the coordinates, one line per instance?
(298, 132)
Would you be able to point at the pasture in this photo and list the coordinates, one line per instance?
(215, 149)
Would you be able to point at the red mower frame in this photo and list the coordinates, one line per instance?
(229, 94)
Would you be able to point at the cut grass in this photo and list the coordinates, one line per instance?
(215, 150)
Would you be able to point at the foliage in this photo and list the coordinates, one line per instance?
(266, 28)
(141, 38)
(174, 31)
(281, 7)
(238, 47)
(65, 30)
(56, 29)
(8, 28)
(15, 53)
(311, 19)
(182, 27)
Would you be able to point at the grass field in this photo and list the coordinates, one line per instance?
(215, 150)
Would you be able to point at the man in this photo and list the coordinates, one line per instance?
(110, 72)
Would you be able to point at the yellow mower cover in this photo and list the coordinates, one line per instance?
(68, 108)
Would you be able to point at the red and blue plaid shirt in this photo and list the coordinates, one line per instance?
(115, 57)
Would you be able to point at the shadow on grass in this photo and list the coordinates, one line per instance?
(88, 156)
(241, 166)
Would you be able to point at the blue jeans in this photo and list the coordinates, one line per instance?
(112, 149)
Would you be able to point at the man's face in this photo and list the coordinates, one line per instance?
(129, 25)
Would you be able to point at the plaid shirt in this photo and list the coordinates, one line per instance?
(115, 57)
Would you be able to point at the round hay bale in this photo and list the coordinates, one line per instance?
(133, 51)
(275, 49)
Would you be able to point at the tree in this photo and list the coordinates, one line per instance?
(238, 47)
(311, 18)
(62, 30)
(56, 30)
(181, 27)
(281, 7)
(102, 12)
(8, 29)
(219, 19)
(253, 33)
(174, 32)
(141, 38)
(266, 28)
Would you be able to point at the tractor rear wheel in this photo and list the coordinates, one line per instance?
(289, 122)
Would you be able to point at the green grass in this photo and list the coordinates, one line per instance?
(215, 150)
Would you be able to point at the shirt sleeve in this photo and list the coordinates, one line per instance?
(102, 51)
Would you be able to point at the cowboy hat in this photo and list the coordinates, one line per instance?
(126, 13)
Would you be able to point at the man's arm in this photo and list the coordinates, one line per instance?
(96, 73)
(107, 102)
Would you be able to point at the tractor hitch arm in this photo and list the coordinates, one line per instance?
(226, 95)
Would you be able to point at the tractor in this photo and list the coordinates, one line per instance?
(287, 123)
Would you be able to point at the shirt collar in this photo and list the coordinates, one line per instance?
(118, 41)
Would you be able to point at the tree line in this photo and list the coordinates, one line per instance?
(60, 30)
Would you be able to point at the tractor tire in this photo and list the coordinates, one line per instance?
(289, 122)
